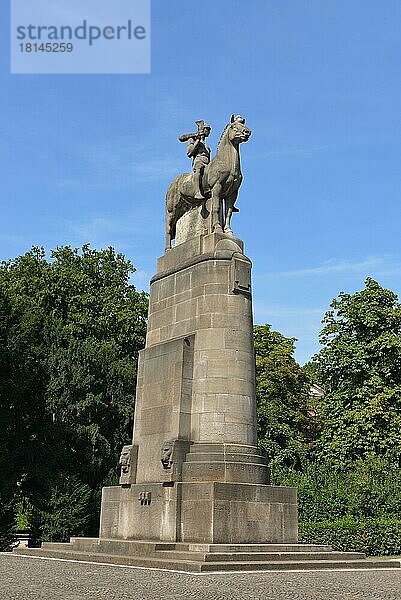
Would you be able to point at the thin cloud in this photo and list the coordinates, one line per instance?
(298, 151)
(263, 311)
(12, 238)
(303, 324)
(375, 263)
(127, 231)
(100, 225)
(119, 163)
(154, 169)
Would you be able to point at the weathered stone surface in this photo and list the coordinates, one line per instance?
(225, 463)
(220, 317)
(110, 512)
(190, 225)
(173, 455)
(195, 417)
(163, 404)
(238, 513)
(128, 463)
(146, 511)
(208, 512)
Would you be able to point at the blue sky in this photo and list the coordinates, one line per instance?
(87, 158)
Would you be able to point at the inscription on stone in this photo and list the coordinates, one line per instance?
(145, 498)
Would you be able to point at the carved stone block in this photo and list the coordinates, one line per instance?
(128, 463)
(172, 457)
(241, 276)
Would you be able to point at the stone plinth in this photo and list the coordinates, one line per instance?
(204, 512)
(199, 474)
(190, 225)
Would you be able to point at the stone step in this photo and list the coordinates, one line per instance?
(311, 565)
(261, 556)
(115, 546)
(58, 546)
(198, 547)
(199, 566)
(116, 559)
(147, 547)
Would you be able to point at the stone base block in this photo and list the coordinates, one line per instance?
(207, 512)
(148, 511)
(238, 513)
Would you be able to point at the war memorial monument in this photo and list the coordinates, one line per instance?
(194, 491)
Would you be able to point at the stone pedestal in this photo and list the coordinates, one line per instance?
(194, 491)
(196, 473)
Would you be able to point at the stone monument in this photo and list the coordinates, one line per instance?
(194, 490)
(197, 474)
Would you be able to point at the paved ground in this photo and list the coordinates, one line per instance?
(24, 578)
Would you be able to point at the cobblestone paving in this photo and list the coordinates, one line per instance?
(37, 579)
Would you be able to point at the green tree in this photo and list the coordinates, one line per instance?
(7, 442)
(360, 368)
(74, 328)
(284, 427)
(64, 510)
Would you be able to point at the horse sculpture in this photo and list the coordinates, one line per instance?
(221, 181)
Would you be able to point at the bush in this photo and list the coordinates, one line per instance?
(354, 509)
(7, 523)
(63, 511)
(375, 537)
(322, 494)
(369, 489)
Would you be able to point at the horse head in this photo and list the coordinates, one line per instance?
(237, 131)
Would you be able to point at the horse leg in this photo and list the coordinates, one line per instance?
(215, 209)
(169, 214)
(168, 231)
(230, 201)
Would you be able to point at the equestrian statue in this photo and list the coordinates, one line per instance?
(213, 184)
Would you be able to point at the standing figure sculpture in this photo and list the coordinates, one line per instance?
(199, 151)
(217, 187)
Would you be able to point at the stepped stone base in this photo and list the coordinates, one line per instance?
(198, 558)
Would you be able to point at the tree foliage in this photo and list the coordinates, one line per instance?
(365, 489)
(360, 367)
(70, 329)
(349, 493)
(282, 387)
(63, 511)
